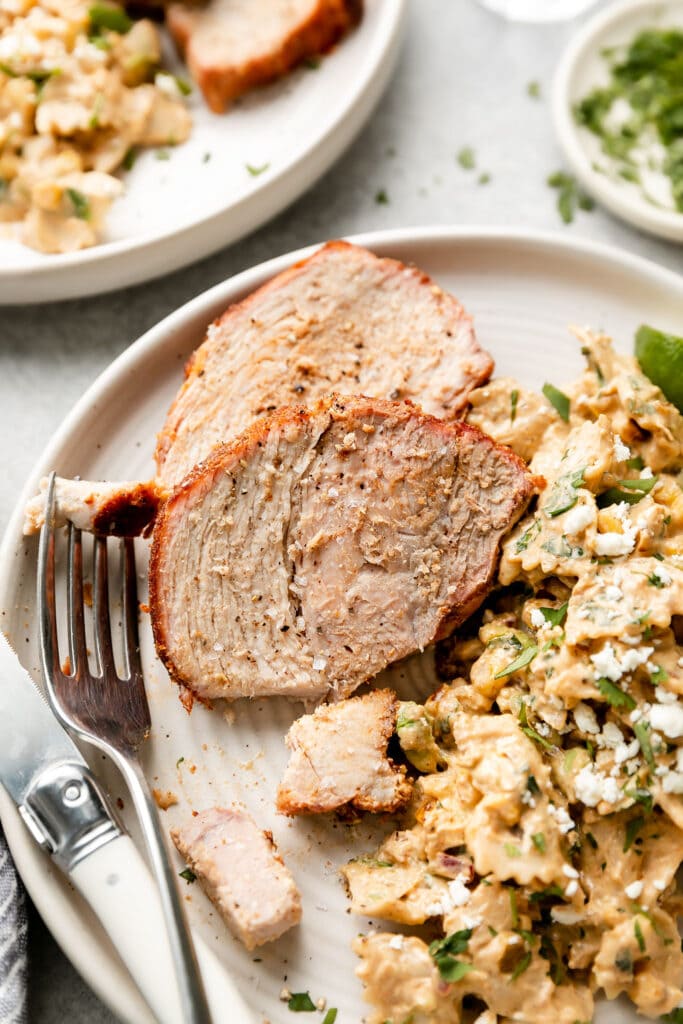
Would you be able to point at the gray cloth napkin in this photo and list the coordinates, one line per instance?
(13, 935)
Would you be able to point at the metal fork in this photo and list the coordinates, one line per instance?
(111, 712)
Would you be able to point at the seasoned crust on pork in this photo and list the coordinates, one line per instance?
(324, 544)
(243, 875)
(232, 46)
(344, 321)
(339, 758)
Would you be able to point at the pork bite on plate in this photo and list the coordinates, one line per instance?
(243, 875)
(324, 544)
(339, 759)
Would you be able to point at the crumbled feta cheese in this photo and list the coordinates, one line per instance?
(569, 872)
(613, 545)
(625, 751)
(630, 660)
(612, 735)
(606, 664)
(667, 718)
(646, 474)
(572, 888)
(538, 619)
(585, 719)
(613, 593)
(659, 884)
(611, 793)
(665, 696)
(319, 663)
(634, 890)
(458, 892)
(566, 915)
(621, 451)
(396, 942)
(577, 519)
(591, 787)
(672, 782)
(564, 822)
(679, 759)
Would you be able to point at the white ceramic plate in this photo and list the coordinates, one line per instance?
(582, 69)
(523, 291)
(177, 210)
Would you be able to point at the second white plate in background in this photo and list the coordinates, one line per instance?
(203, 197)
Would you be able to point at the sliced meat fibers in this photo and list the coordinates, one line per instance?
(324, 544)
(339, 759)
(232, 46)
(342, 320)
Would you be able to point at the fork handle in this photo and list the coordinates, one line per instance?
(118, 886)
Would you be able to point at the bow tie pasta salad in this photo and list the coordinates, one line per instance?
(546, 826)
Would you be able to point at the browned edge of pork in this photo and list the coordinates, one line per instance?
(222, 76)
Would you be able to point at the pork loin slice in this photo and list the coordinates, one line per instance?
(121, 508)
(232, 46)
(240, 870)
(323, 544)
(339, 758)
(342, 320)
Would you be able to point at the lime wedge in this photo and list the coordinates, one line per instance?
(661, 358)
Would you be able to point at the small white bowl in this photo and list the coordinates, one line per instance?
(582, 69)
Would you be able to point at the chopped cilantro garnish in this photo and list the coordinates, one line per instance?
(514, 397)
(331, 1016)
(444, 952)
(558, 399)
(564, 493)
(642, 797)
(129, 159)
(632, 829)
(109, 15)
(255, 171)
(637, 931)
(466, 158)
(551, 892)
(179, 762)
(614, 695)
(555, 616)
(80, 203)
(538, 839)
(658, 675)
(381, 197)
(636, 463)
(569, 196)
(642, 734)
(521, 661)
(183, 86)
(484, 178)
(162, 154)
(521, 966)
(533, 89)
(188, 874)
(623, 961)
(529, 534)
(675, 1017)
(512, 850)
(655, 580)
(533, 786)
(514, 912)
(301, 1002)
(592, 841)
(641, 484)
(206, 158)
(312, 63)
(531, 732)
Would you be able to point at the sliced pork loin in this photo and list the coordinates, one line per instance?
(123, 508)
(342, 321)
(339, 759)
(324, 544)
(240, 870)
(232, 46)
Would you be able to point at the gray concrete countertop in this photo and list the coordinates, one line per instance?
(461, 81)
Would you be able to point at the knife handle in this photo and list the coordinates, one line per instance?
(116, 883)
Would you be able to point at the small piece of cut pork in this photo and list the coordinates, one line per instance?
(121, 509)
(343, 321)
(243, 875)
(339, 758)
(324, 544)
(232, 46)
